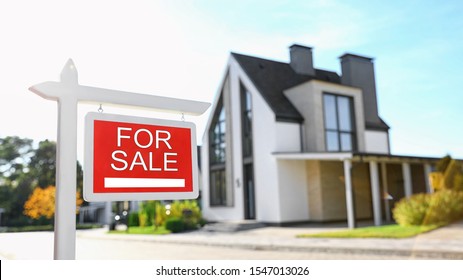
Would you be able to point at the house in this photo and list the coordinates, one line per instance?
(289, 143)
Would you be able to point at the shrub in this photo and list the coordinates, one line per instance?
(175, 224)
(187, 210)
(439, 208)
(411, 211)
(134, 220)
(147, 212)
(446, 206)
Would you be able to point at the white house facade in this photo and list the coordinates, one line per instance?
(288, 143)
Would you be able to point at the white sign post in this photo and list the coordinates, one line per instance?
(68, 93)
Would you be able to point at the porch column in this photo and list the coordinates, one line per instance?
(375, 197)
(349, 194)
(407, 175)
(387, 206)
(427, 170)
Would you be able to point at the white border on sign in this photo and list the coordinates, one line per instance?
(90, 196)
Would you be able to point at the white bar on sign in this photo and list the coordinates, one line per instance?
(111, 182)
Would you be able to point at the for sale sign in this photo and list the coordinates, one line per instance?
(134, 158)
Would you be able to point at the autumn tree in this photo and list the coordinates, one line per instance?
(22, 168)
(41, 203)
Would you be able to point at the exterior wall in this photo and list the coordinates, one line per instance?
(333, 191)
(293, 191)
(326, 191)
(314, 190)
(377, 142)
(288, 138)
(266, 139)
(265, 135)
(362, 190)
(308, 99)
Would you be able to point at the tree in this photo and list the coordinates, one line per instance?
(15, 184)
(448, 175)
(43, 164)
(14, 158)
(41, 203)
(22, 168)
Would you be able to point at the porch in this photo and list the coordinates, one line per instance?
(370, 183)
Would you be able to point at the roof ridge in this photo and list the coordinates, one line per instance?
(260, 58)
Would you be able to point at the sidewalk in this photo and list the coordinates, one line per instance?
(443, 243)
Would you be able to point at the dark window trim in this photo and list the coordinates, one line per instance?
(248, 160)
(339, 131)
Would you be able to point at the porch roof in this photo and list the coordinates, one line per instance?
(353, 156)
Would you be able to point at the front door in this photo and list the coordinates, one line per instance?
(249, 194)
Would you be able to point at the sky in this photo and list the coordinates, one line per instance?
(180, 49)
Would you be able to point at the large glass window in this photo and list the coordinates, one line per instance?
(217, 156)
(218, 190)
(339, 123)
(246, 108)
(217, 138)
(248, 168)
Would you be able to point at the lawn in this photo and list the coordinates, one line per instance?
(142, 230)
(389, 231)
(47, 228)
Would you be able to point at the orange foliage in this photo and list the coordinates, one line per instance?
(41, 203)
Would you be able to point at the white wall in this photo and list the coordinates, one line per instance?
(293, 191)
(265, 137)
(288, 138)
(377, 142)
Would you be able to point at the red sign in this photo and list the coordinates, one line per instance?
(132, 158)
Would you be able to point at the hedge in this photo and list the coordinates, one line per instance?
(440, 208)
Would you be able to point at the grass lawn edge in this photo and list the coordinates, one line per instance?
(388, 231)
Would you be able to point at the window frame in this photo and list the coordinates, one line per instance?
(218, 192)
(338, 130)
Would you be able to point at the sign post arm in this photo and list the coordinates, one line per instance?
(86, 94)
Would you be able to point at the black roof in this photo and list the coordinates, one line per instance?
(272, 77)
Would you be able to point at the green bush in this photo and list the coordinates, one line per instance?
(133, 219)
(439, 208)
(156, 213)
(175, 224)
(147, 213)
(446, 206)
(413, 210)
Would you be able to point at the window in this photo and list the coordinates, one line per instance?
(339, 123)
(248, 168)
(218, 190)
(217, 139)
(246, 109)
(217, 156)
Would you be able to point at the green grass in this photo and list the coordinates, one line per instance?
(142, 230)
(390, 231)
(47, 228)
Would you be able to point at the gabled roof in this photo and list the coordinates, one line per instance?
(272, 77)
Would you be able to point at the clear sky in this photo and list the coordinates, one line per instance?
(180, 49)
